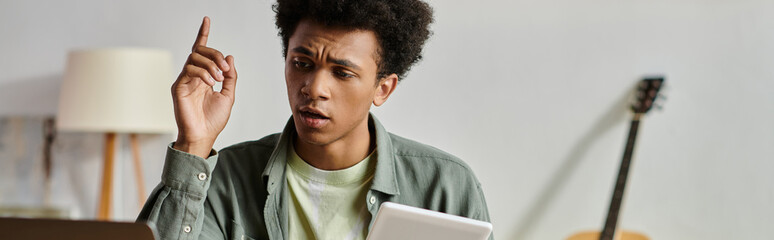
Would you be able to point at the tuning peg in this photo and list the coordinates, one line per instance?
(664, 86)
(659, 106)
(639, 95)
(652, 93)
(642, 85)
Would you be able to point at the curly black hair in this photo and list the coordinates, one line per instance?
(401, 26)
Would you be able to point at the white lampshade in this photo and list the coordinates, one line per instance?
(122, 90)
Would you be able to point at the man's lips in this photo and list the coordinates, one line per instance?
(313, 113)
(313, 118)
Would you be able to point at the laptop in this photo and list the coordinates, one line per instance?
(396, 221)
(37, 229)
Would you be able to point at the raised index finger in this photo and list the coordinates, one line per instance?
(204, 32)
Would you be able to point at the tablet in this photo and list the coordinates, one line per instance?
(396, 221)
(36, 229)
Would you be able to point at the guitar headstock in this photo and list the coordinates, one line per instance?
(647, 93)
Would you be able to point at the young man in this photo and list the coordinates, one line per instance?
(326, 174)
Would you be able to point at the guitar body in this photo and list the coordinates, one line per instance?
(620, 235)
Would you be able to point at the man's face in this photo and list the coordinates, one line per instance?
(330, 74)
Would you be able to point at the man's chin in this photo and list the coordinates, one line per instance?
(312, 140)
(311, 136)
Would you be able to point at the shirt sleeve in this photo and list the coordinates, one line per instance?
(176, 207)
(482, 212)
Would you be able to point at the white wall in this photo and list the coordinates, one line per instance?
(530, 93)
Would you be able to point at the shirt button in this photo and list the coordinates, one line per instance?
(372, 200)
(187, 229)
(202, 176)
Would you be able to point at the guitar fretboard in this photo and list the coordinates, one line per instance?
(615, 203)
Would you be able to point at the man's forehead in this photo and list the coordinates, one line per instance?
(313, 37)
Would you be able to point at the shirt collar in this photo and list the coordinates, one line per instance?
(385, 179)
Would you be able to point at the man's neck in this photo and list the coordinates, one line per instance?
(340, 154)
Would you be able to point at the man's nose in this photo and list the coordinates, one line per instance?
(316, 86)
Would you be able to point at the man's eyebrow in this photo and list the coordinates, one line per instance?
(343, 62)
(303, 50)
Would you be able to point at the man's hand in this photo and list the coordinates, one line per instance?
(200, 111)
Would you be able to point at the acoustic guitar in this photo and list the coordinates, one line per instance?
(647, 92)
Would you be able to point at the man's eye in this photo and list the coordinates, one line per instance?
(343, 74)
(302, 65)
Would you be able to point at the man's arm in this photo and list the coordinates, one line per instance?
(176, 208)
(201, 112)
(483, 210)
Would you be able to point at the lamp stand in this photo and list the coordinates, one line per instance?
(137, 168)
(103, 212)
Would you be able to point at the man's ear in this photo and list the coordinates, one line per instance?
(384, 88)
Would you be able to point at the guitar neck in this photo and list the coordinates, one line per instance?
(615, 203)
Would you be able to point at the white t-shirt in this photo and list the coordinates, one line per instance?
(328, 204)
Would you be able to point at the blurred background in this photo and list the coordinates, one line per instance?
(533, 95)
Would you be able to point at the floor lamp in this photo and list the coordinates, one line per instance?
(117, 91)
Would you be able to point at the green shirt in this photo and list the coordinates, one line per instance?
(328, 204)
(240, 192)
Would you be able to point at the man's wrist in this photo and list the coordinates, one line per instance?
(200, 149)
